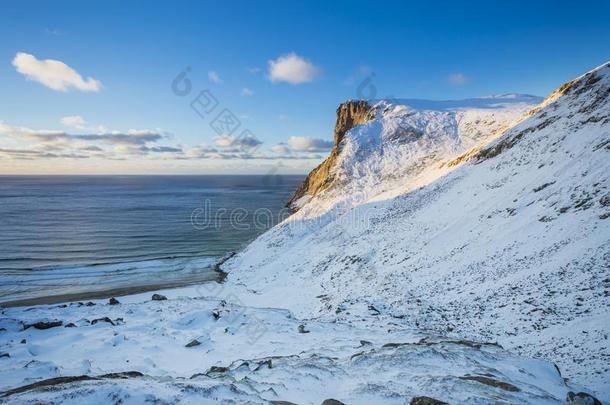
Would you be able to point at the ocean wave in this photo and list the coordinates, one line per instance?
(93, 279)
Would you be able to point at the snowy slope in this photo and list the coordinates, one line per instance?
(508, 243)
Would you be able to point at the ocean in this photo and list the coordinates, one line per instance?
(78, 237)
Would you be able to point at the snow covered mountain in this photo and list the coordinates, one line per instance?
(377, 144)
(450, 250)
(508, 242)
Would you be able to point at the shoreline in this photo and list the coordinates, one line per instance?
(218, 276)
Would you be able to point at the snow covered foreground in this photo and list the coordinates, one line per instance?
(420, 273)
(249, 355)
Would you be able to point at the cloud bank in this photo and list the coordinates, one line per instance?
(23, 143)
(307, 144)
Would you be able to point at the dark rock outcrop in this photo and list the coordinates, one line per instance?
(426, 401)
(332, 402)
(216, 371)
(267, 363)
(582, 398)
(158, 297)
(44, 325)
(104, 319)
(349, 115)
(491, 382)
(193, 343)
(50, 382)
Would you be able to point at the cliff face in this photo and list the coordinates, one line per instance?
(349, 114)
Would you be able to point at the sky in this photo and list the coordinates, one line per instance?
(242, 87)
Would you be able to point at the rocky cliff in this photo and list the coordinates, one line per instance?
(349, 115)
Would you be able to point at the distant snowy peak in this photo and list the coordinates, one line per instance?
(514, 96)
(499, 101)
(577, 103)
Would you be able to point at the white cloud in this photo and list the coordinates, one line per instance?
(53, 31)
(281, 149)
(224, 141)
(214, 77)
(54, 74)
(74, 121)
(293, 69)
(79, 123)
(457, 79)
(306, 144)
(229, 142)
(246, 92)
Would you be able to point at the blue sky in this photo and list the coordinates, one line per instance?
(132, 51)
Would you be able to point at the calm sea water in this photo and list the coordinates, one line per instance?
(76, 234)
